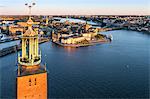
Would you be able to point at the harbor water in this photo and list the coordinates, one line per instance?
(119, 69)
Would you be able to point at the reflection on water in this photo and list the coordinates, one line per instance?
(70, 49)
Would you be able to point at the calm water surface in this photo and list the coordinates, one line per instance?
(113, 70)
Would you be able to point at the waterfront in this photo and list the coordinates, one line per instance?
(117, 69)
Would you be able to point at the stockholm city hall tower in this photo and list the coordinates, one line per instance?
(32, 76)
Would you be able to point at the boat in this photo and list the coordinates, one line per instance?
(4, 38)
(110, 37)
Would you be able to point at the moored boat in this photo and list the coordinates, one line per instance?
(110, 37)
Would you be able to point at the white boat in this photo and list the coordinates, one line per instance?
(110, 37)
(4, 38)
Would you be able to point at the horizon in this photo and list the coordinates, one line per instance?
(76, 7)
(71, 15)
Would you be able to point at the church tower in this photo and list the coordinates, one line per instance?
(87, 26)
(47, 20)
(32, 76)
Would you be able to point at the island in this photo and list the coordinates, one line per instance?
(71, 34)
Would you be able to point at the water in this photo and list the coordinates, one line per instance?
(75, 20)
(115, 70)
(9, 44)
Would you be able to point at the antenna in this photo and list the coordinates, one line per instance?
(29, 6)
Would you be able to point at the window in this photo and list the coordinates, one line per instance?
(30, 82)
(35, 81)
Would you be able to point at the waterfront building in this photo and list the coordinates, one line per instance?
(16, 29)
(32, 76)
(74, 33)
(72, 40)
(23, 24)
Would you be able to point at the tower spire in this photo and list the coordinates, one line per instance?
(32, 76)
(30, 50)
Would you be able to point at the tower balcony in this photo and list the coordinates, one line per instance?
(29, 62)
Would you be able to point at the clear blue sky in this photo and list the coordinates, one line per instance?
(56, 7)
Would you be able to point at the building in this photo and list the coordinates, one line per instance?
(72, 40)
(24, 24)
(32, 76)
(74, 33)
(16, 29)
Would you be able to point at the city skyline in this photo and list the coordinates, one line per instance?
(76, 7)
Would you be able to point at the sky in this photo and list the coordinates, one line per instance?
(76, 7)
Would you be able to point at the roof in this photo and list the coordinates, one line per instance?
(29, 32)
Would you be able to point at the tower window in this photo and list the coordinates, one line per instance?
(35, 81)
(30, 82)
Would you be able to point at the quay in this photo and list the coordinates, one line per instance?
(15, 46)
(72, 45)
(83, 45)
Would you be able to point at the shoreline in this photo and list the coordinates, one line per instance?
(113, 29)
(83, 45)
